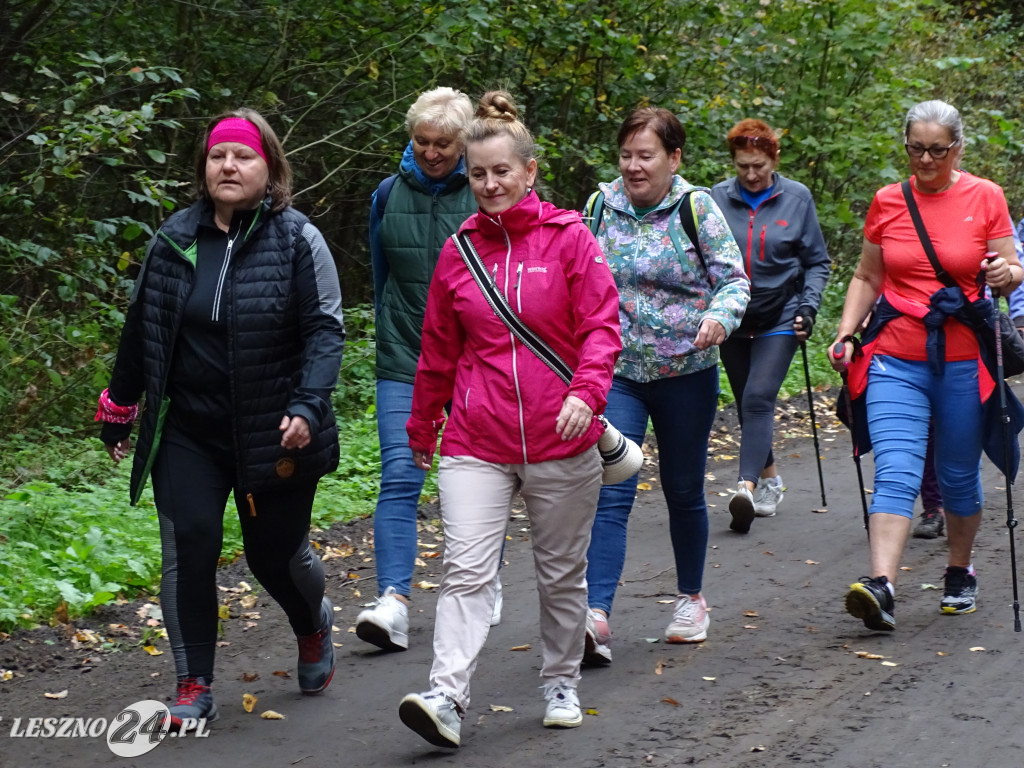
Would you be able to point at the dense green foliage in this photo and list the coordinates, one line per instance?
(101, 108)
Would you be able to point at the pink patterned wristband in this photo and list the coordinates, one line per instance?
(116, 414)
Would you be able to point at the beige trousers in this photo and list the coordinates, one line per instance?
(476, 496)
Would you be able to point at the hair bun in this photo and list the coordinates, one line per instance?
(497, 105)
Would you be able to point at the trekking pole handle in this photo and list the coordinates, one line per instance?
(838, 350)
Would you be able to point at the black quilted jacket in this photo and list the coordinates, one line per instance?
(285, 339)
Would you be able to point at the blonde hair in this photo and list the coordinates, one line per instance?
(445, 108)
(496, 115)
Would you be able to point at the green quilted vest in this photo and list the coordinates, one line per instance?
(412, 232)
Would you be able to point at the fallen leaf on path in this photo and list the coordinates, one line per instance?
(812, 562)
(60, 695)
(821, 511)
(867, 655)
(272, 715)
(750, 614)
(248, 701)
(977, 648)
(223, 612)
(666, 602)
(652, 640)
(524, 647)
(249, 602)
(426, 585)
(670, 700)
(768, 552)
(593, 712)
(750, 626)
(643, 486)
(941, 653)
(431, 554)
(709, 679)
(500, 708)
(906, 568)
(659, 666)
(152, 650)
(889, 664)
(250, 677)
(760, 747)
(282, 673)
(251, 615)
(5, 675)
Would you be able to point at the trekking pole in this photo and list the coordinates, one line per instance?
(814, 426)
(1004, 417)
(837, 352)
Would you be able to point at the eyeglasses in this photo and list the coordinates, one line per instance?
(769, 146)
(937, 153)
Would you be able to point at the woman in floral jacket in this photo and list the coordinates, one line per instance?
(678, 301)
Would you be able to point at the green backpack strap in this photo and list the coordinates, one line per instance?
(688, 219)
(593, 211)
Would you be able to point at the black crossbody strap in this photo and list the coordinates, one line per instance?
(922, 233)
(505, 313)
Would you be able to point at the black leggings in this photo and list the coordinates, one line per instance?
(756, 369)
(191, 487)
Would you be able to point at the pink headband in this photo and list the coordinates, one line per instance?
(239, 130)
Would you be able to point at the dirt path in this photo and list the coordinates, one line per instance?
(778, 682)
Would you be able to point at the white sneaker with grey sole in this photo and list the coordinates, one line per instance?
(767, 496)
(386, 624)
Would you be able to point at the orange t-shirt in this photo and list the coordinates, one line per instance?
(959, 222)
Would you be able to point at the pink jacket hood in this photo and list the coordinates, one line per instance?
(505, 401)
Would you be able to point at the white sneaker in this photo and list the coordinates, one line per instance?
(434, 716)
(596, 641)
(767, 495)
(499, 601)
(689, 620)
(386, 624)
(741, 507)
(563, 710)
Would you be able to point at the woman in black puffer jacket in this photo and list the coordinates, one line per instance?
(233, 340)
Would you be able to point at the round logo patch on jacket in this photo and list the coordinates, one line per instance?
(285, 468)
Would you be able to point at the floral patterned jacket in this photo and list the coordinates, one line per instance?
(664, 290)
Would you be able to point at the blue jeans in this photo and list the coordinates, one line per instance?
(902, 397)
(682, 410)
(401, 483)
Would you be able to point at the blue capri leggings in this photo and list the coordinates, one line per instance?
(902, 396)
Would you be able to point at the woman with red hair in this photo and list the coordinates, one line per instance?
(774, 221)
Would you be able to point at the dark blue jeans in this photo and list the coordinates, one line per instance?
(682, 410)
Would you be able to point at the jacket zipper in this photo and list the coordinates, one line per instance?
(215, 316)
(519, 293)
(636, 294)
(512, 340)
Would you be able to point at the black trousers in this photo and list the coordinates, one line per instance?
(191, 485)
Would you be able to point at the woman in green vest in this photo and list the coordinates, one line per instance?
(412, 213)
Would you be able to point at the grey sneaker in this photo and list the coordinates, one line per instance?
(316, 654)
(767, 496)
(386, 624)
(930, 525)
(563, 710)
(499, 602)
(961, 591)
(434, 716)
(193, 702)
(741, 507)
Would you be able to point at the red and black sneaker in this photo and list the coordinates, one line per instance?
(316, 654)
(194, 702)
